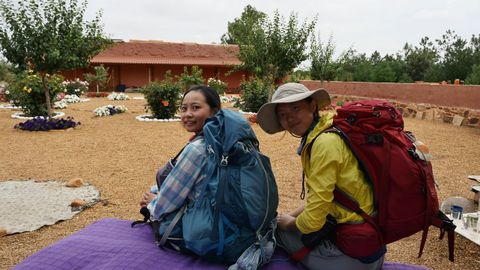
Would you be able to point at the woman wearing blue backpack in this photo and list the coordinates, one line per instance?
(177, 183)
(219, 199)
(308, 233)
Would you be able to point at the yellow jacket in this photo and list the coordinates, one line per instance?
(328, 162)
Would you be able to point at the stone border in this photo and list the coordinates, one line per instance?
(429, 112)
(148, 118)
(19, 115)
(9, 106)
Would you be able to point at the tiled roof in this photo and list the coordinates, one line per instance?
(159, 52)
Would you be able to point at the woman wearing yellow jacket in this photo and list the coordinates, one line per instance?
(327, 163)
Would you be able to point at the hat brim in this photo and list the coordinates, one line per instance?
(267, 115)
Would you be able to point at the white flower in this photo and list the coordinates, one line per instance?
(62, 104)
(71, 98)
(7, 92)
(106, 110)
(118, 96)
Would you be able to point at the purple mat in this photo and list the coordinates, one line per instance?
(113, 244)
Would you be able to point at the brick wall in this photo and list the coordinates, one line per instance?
(458, 96)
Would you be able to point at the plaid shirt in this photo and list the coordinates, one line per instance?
(180, 184)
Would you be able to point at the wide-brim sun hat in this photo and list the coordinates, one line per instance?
(288, 93)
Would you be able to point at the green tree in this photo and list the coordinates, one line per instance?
(474, 76)
(273, 48)
(100, 78)
(458, 57)
(48, 36)
(323, 66)
(239, 29)
(420, 59)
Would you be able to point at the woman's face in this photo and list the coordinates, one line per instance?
(194, 111)
(296, 117)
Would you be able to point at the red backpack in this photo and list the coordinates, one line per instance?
(404, 189)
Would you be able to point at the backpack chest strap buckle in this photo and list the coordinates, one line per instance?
(224, 161)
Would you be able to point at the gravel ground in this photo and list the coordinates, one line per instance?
(119, 156)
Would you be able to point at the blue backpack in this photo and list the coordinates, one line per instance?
(237, 205)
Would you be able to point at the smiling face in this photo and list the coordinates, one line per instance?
(296, 117)
(194, 111)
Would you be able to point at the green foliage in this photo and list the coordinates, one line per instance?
(218, 85)
(457, 60)
(194, 78)
(163, 97)
(298, 75)
(271, 49)
(474, 76)
(27, 91)
(48, 36)
(100, 78)
(323, 66)
(420, 59)
(75, 87)
(254, 94)
(5, 72)
(239, 29)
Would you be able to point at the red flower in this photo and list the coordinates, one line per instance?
(165, 103)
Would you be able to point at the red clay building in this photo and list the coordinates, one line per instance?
(136, 63)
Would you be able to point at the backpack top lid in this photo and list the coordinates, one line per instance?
(224, 129)
(374, 114)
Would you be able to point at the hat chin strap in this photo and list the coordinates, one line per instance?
(296, 136)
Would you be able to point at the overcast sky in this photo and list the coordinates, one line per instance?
(367, 25)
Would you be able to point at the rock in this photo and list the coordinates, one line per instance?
(78, 203)
(438, 116)
(473, 122)
(457, 120)
(429, 115)
(3, 232)
(75, 182)
(421, 107)
(420, 115)
(447, 118)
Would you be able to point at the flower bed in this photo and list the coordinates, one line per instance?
(118, 96)
(109, 110)
(45, 124)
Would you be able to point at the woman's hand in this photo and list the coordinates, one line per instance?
(147, 198)
(286, 222)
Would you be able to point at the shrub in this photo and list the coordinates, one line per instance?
(75, 87)
(186, 80)
(254, 94)
(46, 124)
(162, 97)
(26, 91)
(218, 85)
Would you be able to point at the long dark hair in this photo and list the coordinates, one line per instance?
(211, 96)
